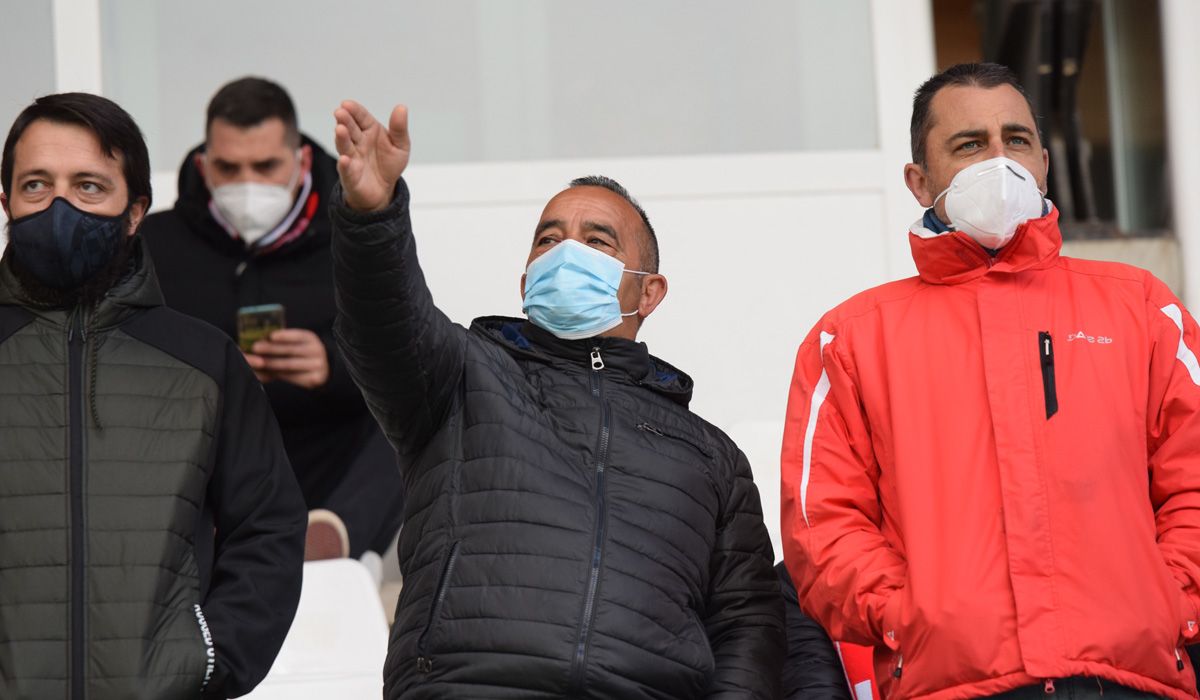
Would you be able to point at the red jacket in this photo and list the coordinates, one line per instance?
(991, 472)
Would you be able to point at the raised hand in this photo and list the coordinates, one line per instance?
(371, 158)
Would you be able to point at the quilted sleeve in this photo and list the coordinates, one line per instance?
(844, 569)
(404, 353)
(744, 611)
(1173, 442)
(812, 668)
(260, 520)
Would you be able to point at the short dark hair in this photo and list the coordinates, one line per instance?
(250, 101)
(984, 75)
(116, 131)
(650, 253)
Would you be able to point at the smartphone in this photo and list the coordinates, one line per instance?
(254, 323)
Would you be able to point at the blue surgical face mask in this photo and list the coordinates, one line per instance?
(571, 291)
(63, 246)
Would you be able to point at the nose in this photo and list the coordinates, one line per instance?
(68, 193)
(996, 147)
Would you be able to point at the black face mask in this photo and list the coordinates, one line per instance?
(62, 246)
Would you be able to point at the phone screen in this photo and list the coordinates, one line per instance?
(254, 323)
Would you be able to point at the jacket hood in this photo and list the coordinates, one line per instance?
(520, 337)
(194, 196)
(137, 289)
(954, 257)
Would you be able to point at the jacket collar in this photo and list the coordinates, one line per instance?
(627, 358)
(954, 257)
(137, 290)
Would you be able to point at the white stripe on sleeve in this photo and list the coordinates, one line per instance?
(1184, 354)
(819, 394)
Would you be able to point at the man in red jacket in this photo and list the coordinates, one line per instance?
(991, 471)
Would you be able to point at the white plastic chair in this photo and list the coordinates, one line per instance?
(337, 643)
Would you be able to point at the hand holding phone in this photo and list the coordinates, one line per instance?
(255, 323)
(276, 353)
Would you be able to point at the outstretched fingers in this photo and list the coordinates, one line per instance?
(359, 116)
(341, 139)
(398, 128)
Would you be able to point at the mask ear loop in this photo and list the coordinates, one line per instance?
(299, 166)
(940, 195)
(635, 272)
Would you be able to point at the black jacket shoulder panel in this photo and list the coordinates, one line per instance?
(188, 340)
(13, 319)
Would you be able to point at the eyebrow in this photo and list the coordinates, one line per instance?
(552, 223)
(967, 134)
(1012, 128)
(32, 173)
(85, 175)
(93, 176)
(587, 226)
(602, 228)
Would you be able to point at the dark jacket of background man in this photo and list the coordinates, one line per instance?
(208, 274)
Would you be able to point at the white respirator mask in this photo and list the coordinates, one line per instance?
(990, 199)
(253, 209)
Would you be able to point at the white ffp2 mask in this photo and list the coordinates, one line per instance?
(988, 200)
(253, 208)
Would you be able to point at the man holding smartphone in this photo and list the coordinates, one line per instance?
(247, 244)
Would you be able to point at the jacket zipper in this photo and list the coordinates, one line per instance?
(578, 664)
(1178, 660)
(979, 251)
(1046, 353)
(75, 340)
(425, 662)
(646, 427)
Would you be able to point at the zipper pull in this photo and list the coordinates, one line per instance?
(650, 429)
(597, 361)
(1046, 352)
(1049, 687)
(899, 666)
(75, 320)
(1178, 660)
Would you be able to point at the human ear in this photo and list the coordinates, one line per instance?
(137, 212)
(654, 290)
(918, 183)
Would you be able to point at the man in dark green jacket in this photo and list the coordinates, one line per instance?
(151, 531)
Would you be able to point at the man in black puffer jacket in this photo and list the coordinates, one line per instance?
(572, 530)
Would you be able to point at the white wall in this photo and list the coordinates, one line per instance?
(1181, 63)
(756, 245)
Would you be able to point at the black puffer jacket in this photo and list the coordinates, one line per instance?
(573, 530)
(813, 670)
